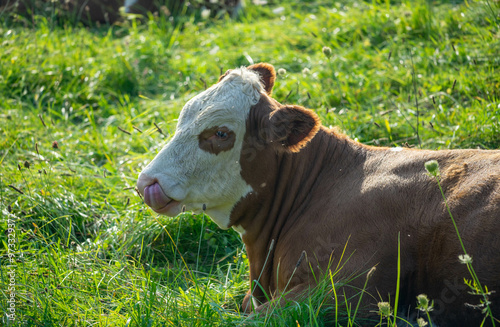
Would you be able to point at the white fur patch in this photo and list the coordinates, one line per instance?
(196, 177)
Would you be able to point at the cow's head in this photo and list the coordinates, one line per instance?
(200, 166)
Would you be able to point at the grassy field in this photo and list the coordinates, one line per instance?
(78, 108)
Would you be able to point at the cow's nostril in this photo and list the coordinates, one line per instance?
(144, 181)
(155, 197)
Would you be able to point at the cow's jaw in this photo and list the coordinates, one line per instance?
(190, 171)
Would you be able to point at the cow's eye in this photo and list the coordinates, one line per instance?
(221, 134)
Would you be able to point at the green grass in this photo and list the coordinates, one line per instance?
(89, 252)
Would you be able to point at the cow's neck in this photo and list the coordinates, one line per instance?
(283, 184)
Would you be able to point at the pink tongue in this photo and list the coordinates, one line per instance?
(154, 196)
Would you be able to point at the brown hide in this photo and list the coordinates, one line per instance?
(335, 191)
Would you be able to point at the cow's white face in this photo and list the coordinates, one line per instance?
(200, 165)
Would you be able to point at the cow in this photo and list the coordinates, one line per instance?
(86, 11)
(304, 197)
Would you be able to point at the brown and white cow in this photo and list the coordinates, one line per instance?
(289, 185)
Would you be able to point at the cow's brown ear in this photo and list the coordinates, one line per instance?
(267, 75)
(292, 127)
(224, 75)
